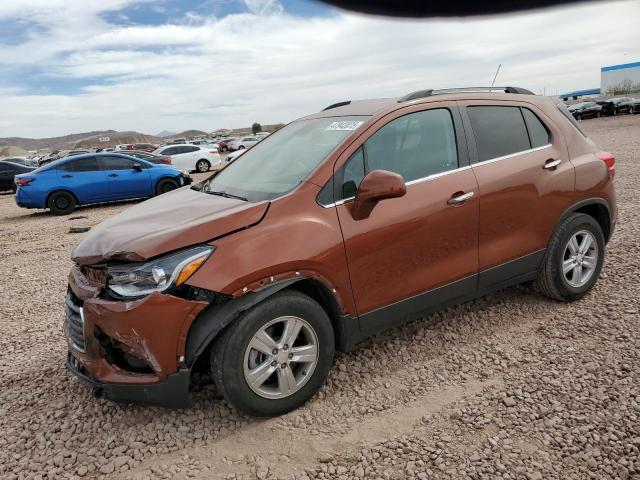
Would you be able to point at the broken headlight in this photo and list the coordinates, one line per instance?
(139, 279)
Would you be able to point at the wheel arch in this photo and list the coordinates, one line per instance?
(214, 319)
(46, 200)
(598, 208)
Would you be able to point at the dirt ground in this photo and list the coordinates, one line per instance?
(510, 386)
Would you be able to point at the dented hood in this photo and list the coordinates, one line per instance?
(171, 221)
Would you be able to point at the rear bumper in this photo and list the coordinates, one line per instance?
(171, 393)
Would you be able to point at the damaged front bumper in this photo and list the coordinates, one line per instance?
(171, 393)
(129, 351)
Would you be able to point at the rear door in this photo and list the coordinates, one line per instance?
(125, 181)
(84, 178)
(420, 250)
(526, 182)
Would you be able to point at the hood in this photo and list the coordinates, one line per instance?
(175, 220)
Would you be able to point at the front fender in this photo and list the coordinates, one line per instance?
(212, 320)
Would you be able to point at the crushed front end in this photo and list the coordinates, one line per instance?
(128, 350)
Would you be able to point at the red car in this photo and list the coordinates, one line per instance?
(224, 144)
(145, 147)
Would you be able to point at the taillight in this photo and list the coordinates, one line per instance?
(166, 160)
(21, 182)
(610, 161)
(214, 151)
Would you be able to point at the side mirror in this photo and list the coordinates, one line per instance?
(374, 187)
(137, 167)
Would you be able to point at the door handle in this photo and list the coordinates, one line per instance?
(551, 163)
(67, 176)
(459, 198)
(113, 174)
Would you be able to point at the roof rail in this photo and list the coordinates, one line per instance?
(335, 105)
(428, 93)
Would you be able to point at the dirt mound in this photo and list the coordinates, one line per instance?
(13, 151)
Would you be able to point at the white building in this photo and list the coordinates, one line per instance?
(618, 74)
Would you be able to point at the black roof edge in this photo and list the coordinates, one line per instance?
(427, 93)
(336, 105)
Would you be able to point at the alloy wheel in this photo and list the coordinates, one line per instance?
(580, 259)
(281, 357)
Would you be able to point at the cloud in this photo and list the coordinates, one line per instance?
(204, 71)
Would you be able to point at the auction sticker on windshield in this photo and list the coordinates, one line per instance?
(344, 125)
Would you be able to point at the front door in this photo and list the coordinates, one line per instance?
(125, 181)
(420, 250)
(526, 182)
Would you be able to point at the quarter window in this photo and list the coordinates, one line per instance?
(416, 145)
(538, 133)
(352, 174)
(498, 131)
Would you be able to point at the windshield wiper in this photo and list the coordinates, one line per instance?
(228, 195)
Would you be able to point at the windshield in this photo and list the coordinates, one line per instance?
(281, 161)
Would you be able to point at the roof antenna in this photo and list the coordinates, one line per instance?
(496, 75)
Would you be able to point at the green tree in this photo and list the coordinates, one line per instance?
(256, 127)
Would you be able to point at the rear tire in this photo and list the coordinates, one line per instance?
(573, 260)
(61, 203)
(280, 383)
(203, 165)
(166, 185)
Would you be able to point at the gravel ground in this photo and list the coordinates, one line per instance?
(510, 386)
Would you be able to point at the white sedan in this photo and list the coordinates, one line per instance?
(201, 158)
(244, 142)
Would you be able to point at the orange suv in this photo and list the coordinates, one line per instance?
(338, 226)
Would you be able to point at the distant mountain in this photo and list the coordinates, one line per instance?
(189, 134)
(54, 143)
(102, 139)
(166, 133)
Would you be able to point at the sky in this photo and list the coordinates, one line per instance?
(69, 66)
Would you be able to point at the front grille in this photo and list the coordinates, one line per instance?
(74, 321)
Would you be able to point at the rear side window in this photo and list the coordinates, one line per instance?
(81, 165)
(416, 145)
(498, 131)
(538, 133)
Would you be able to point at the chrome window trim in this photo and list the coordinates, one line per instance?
(511, 155)
(448, 172)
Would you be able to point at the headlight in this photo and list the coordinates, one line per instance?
(136, 280)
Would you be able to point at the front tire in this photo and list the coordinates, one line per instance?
(274, 357)
(573, 260)
(166, 185)
(61, 203)
(203, 165)
(241, 147)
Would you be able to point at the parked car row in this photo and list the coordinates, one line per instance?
(612, 106)
(63, 185)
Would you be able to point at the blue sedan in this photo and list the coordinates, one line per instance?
(94, 178)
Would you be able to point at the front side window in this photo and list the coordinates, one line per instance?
(416, 145)
(281, 161)
(498, 131)
(117, 163)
